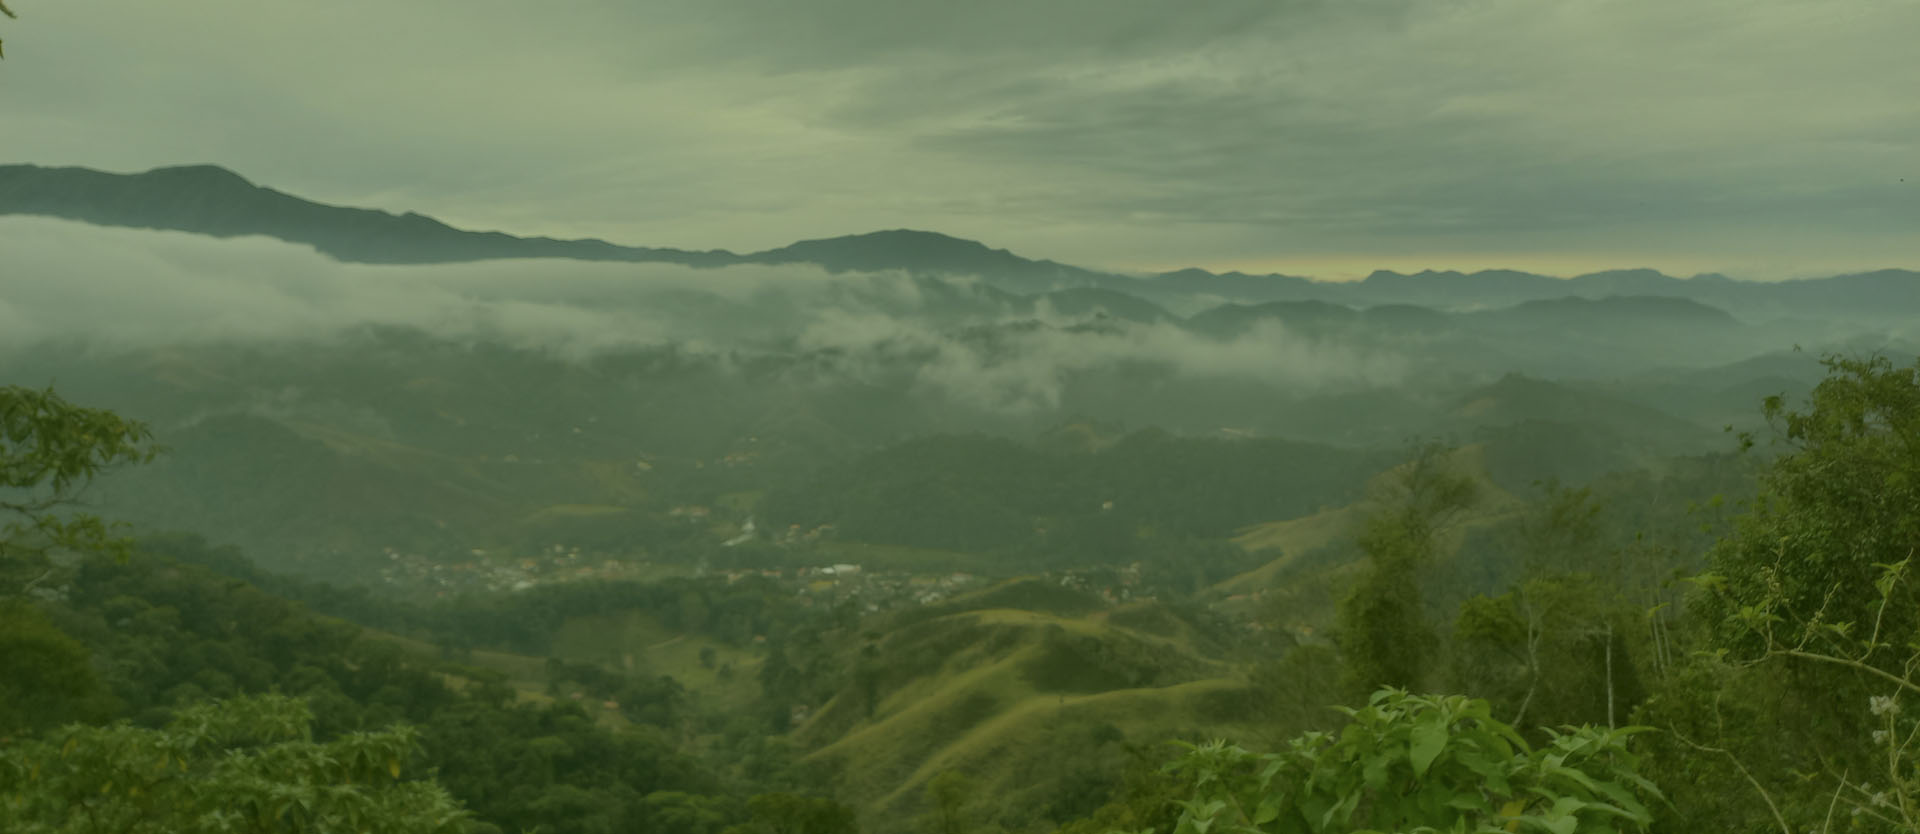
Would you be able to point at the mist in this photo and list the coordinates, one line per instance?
(106, 291)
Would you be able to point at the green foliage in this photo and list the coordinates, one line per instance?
(1810, 624)
(1552, 648)
(1833, 709)
(50, 450)
(948, 793)
(1384, 634)
(1383, 631)
(1550, 652)
(1143, 801)
(1841, 504)
(245, 765)
(1809, 621)
(1292, 692)
(1407, 763)
(789, 813)
(165, 635)
(49, 679)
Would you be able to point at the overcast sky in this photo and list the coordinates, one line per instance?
(1759, 137)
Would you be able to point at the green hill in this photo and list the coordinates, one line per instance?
(1311, 559)
(1012, 697)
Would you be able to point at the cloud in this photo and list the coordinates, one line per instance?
(1027, 363)
(1105, 132)
(128, 289)
(123, 290)
(1033, 369)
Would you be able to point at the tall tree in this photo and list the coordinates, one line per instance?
(49, 677)
(948, 793)
(50, 450)
(1383, 632)
(9, 13)
(1552, 647)
(1841, 502)
(1811, 617)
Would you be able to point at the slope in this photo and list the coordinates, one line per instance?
(210, 200)
(992, 691)
(1313, 558)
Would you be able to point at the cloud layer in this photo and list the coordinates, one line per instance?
(1752, 135)
(121, 290)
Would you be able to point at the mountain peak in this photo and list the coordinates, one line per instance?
(206, 173)
(213, 200)
(1643, 273)
(1188, 274)
(901, 241)
(915, 251)
(919, 236)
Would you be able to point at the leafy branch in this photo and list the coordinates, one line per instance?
(10, 16)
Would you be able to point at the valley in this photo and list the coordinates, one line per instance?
(900, 523)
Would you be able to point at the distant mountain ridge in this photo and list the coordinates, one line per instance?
(211, 200)
(1880, 293)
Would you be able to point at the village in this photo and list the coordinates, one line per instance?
(812, 576)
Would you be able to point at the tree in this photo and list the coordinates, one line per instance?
(1383, 633)
(1840, 504)
(788, 813)
(50, 450)
(49, 679)
(248, 764)
(948, 793)
(1551, 649)
(1811, 622)
(684, 813)
(1552, 644)
(10, 15)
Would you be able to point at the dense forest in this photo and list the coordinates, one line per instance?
(1728, 643)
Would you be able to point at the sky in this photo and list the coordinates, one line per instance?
(1761, 138)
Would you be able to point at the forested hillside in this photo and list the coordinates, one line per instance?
(1722, 644)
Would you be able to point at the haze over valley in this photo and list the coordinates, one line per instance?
(513, 398)
(1000, 418)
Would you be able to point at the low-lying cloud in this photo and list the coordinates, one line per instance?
(1030, 368)
(118, 290)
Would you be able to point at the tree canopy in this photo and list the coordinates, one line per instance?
(9, 13)
(245, 765)
(50, 450)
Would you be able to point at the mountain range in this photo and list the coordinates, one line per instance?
(211, 200)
